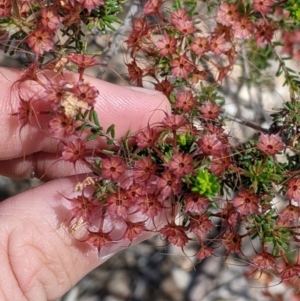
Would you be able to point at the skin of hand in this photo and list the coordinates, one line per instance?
(39, 258)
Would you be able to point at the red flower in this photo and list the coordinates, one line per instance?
(264, 32)
(150, 205)
(218, 45)
(82, 60)
(143, 169)
(219, 164)
(175, 235)
(140, 27)
(185, 26)
(135, 73)
(243, 28)
(61, 126)
(218, 130)
(133, 42)
(166, 45)
(181, 164)
(91, 4)
(165, 87)
(200, 45)
(181, 66)
(168, 184)
(232, 241)
(54, 93)
(146, 138)
(5, 8)
(112, 168)
(40, 41)
(152, 7)
(293, 190)
(246, 202)
(223, 30)
(290, 272)
(194, 203)
(223, 71)
(135, 191)
(230, 216)
(263, 261)
(263, 6)
(210, 110)
(270, 144)
(99, 239)
(284, 222)
(204, 252)
(24, 8)
(25, 112)
(85, 92)
(179, 15)
(200, 225)
(73, 151)
(185, 101)
(289, 38)
(50, 19)
(174, 122)
(133, 230)
(228, 13)
(84, 208)
(118, 204)
(290, 213)
(211, 145)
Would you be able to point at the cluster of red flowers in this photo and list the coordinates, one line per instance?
(39, 22)
(187, 45)
(183, 178)
(180, 56)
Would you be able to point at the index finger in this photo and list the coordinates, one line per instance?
(128, 108)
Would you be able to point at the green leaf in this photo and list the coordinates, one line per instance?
(111, 130)
(177, 4)
(282, 244)
(95, 118)
(82, 127)
(92, 137)
(85, 114)
(269, 240)
(205, 184)
(108, 152)
(97, 161)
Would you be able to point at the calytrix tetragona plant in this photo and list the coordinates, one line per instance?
(187, 166)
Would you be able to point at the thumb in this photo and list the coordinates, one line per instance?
(40, 259)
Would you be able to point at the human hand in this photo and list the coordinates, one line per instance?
(39, 259)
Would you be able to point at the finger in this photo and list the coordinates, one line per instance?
(127, 107)
(44, 166)
(40, 260)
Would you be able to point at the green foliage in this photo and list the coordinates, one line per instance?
(89, 121)
(104, 17)
(191, 6)
(287, 122)
(210, 93)
(292, 79)
(263, 174)
(18, 27)
(264, 226)
(205, 184)
(293, 6)
(259, 59)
